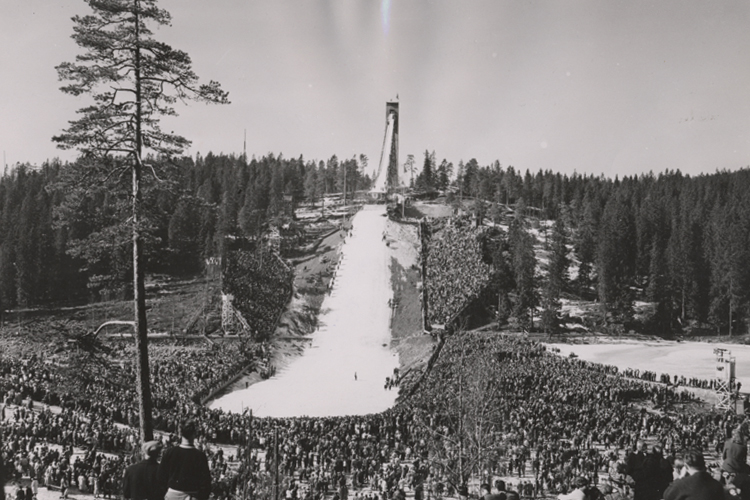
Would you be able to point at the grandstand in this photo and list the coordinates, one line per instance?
(456, 274)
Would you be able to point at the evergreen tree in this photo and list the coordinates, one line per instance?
(658, 288)
(184, 236)
(322, 189)
(425, 179)
(444, 173)
(470, 177)
(497, 253)
(585, 250)
(409, 168)
(616, 256)
(524, 267)
(133, 80)
(510, 183)
(311, 183)
(364, 179)
(333, 182)
(557, 278)
(730, 277)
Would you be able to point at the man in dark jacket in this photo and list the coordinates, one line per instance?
(698, 485)
(655, 475)
(635, 468)
(183, 471)
(139, 482)
(734, 457)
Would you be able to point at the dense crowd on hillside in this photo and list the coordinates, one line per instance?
(675, 380)
(456, 273)
(662, 378)
(558, 407)
(543, 419)
(261, 286)
(28, 435)
(99, 390)
(98, 414)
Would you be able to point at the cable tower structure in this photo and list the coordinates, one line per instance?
(725, 380)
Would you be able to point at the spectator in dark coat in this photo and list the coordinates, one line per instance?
(636, 462)
(735, 453)
(140, 482)
(183, 471)
(698, 485)
(654, 476)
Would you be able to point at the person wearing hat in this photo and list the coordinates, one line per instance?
(183, 471)
(140, 481)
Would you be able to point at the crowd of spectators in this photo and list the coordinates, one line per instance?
(662, 378)
(40, 446)
(547, 420)
(105, 388)
(675, 380)
(566, 417)
(456, 273)
(261, 284)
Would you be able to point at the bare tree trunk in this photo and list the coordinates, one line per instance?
(461, 420)
(139, 302)
(139, 287)
(730, 304)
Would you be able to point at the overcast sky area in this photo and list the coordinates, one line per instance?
(595, 86)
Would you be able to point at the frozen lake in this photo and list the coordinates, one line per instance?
(353, 338)
(691, 359)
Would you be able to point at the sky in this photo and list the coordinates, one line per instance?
(614, 87)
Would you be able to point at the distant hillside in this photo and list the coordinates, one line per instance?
(656, 254)
(676, 242)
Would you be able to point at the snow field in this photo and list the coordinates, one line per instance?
(690, 359)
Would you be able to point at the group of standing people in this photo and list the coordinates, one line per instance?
(456, 272)
(182, 474)
(557, 418)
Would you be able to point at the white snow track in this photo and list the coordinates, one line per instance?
(353, 337)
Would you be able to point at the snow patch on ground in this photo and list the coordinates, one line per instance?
(403, 242)
(690, 359)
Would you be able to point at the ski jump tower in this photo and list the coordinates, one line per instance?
(386, 177)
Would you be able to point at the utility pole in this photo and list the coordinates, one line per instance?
(346, 167)
(276, 463)
(730, 303)
(249, 451)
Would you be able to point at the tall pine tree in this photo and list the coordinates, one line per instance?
(133, 80)
(557, 278)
